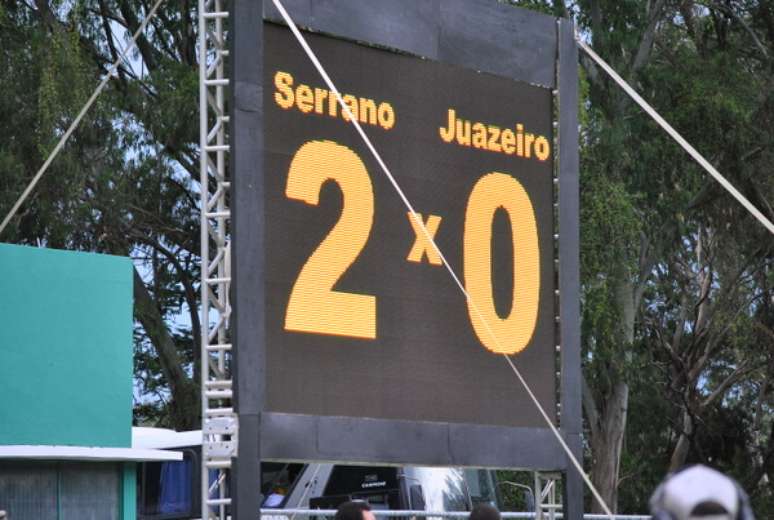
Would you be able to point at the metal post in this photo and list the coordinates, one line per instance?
(219, 423)
(571, 420)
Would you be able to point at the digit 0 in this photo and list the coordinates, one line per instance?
(511, 334)
(314, 306)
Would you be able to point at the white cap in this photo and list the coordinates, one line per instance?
(698, 493)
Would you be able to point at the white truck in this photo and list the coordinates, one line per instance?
(170, 490)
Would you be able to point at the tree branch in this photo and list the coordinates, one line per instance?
(741, 371)
(109, 38)
(132, 23)
(185, 398)
(733, 14)
(646, 42)
(188, 290)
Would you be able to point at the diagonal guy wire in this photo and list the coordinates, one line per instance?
(674, 134)
(110, 73)
(302, 41)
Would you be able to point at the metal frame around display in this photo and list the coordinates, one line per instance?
(482, 35)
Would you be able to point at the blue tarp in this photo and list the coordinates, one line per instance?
(175, 495)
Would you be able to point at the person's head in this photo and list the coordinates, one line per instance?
(354, 510)
(484, 512)
(700, 493)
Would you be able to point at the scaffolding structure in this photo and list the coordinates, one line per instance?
(547, 504)
(219, 422)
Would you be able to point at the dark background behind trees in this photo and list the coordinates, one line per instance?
(677, 298)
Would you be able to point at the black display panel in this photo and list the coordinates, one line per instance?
(362, 319)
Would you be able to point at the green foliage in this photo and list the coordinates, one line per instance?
(513, 487)
(541, 6)
(64, 85)
(654, 223)
(648, 432)
(611, 226)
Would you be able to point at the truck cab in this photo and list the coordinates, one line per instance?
(170, 490)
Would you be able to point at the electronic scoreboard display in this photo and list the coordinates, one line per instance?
(362, 319)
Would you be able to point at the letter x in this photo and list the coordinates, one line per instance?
(422, 244)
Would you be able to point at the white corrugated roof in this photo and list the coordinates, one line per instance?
(160, 438)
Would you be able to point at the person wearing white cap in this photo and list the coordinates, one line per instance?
(700, 493)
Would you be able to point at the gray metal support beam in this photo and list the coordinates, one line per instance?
(248, 296)
(482, 35)
(569, 263)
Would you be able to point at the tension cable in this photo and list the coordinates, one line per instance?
(110, 73)
(421, 225)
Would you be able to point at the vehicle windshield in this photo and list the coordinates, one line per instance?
(444, 489)
(383, 487)
(277, 479)
(481, 485)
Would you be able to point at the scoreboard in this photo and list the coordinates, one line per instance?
(361, 317)
(352, 342)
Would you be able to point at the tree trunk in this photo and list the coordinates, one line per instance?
(680, 453)
(184, 404)
(606, 447)
(609, 416)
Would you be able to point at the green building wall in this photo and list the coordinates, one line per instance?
(66, 348)
(129, 491)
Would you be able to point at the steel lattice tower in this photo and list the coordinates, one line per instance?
(219, 423)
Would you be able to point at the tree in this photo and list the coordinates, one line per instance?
(621, 237)
(137, 196)
(694, 63)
